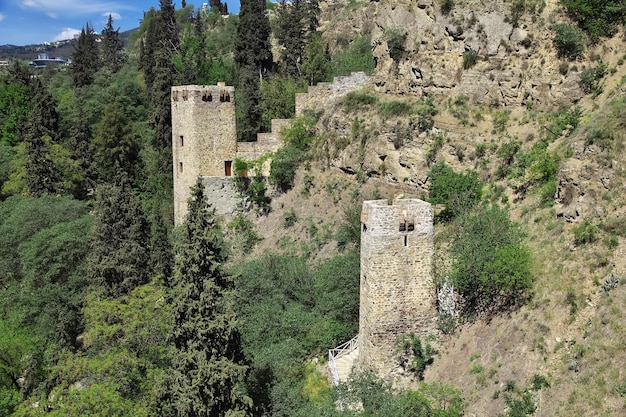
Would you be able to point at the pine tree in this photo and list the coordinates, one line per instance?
(253, 58)
(209, 364)
(117, 150)
(112, 50)
(316, 66)
(119, 256)
(85, 59)
(297, 22)
(41, 174)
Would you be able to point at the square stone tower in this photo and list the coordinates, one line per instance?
(204, 137)
(397, 294)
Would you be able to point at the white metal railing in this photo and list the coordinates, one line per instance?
(338, 352)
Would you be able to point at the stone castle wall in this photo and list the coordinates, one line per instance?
(397, 293)
(323, 95)
(204, 136)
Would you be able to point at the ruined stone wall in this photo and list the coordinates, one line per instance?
(323, 95)
(204, 137)
(397, 293)
(265, 143)
(222, 195)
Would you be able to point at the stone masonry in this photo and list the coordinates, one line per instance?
(204, 138)
(397, 294)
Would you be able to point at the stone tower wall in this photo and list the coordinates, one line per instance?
(204, 137)
(397, 294)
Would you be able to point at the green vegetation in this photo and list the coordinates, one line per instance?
(491, 267)
(298, 138)
(568, 40)
(470, 58)
(396, 40)
(456, 192)
(597, 17)
(356, 57)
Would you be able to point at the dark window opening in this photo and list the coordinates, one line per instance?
(364, 227)
(406, 243)
(207, 97)
(228, 168)
(181, 140)
(180, 167)
(224, 96)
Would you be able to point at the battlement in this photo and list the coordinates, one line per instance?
(220, 93)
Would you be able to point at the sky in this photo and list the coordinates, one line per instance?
(24, 22)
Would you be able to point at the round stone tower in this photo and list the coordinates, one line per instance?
(204, 137)
(397, 288)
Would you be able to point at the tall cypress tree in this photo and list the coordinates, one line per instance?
(42, 175)
(86, 58)
(112, 50)
(253, 58)
(209, 364)
(119, 256)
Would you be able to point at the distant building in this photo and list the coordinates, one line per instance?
(44, 60)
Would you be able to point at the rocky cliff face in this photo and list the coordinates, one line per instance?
(515, 63)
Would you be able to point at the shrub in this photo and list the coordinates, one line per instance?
(289, 218)
(585, 233)
(491, 266)
(419, 355)
(358, 100)
(447, 6)
(568, 41)
(597, 17)
(590, 79)
(470, 58)
(396, 39)
(395, 108)
(357, 57)
(457, 192)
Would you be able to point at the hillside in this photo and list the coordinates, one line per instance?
(488, 117)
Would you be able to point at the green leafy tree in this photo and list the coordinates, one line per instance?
(20, 365)
(86, 58)
(15, 105)
(457, 192)
(119, 258)
(491, 267)
(112, 49)
(53, 283)
(597, 17)
(568, 40)
(209, 365)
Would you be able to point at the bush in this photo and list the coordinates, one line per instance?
(395, 108)
(457, 192)
(358, 100)
(568, 41)
(585, 233)
(597, 17)
(491, 266)
(470, 58)
(447, 6)
(590, 79)
(396, 39)
(357, 57)
(418, 355)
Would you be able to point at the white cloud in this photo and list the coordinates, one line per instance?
(68, 33)
(115, 16)
(77, 8)
(52, 15)
(2, 17)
